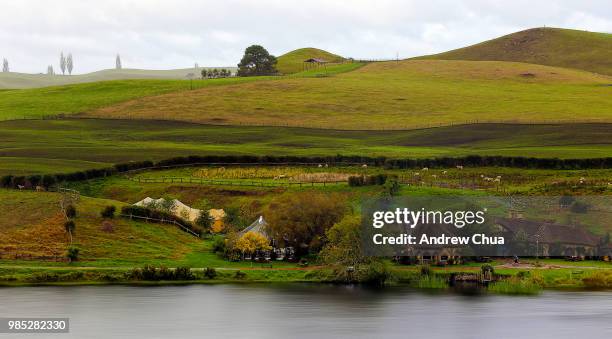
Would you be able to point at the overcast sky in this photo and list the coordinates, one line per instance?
(175, 34)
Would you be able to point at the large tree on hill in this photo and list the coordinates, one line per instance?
(256, 61)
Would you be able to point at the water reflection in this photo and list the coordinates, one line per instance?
(309, 311)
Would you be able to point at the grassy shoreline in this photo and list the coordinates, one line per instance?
(515, 280)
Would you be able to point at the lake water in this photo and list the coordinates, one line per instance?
(307, 311)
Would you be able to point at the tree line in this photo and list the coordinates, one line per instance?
(48, 180)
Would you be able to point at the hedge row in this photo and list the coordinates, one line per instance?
(46, 181)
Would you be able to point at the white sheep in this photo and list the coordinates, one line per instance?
(425, 169)
(459, 167)
(444, 172)
(364, 166)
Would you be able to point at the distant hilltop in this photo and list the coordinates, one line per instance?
(568, 48)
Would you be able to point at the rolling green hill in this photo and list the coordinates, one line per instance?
(546, 46)
(22, 80)
(32, 224)
(391, 95)
(75, 98)
(293, 62)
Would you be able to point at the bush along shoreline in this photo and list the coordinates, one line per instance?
(378, 276)
(48, 180)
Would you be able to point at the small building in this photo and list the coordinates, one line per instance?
(552, 237)
(260, 226)
(313, 63)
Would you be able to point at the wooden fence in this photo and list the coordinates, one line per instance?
(226, 182)
(161, 221)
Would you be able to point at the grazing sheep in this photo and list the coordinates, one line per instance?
(364, 166)
(444, 172)
(40, 189)
(482, 175)
(320, 165)
(425, 169)
(459, 167)
(326, 165)
(497, 180)
(434, 176)
(20, 187)
(417, 174)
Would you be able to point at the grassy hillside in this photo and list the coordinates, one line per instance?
(31, 224)
(546, 46)
(293, 62)
(391, 95)
(69, 99)
(53, 146)
(22, 80)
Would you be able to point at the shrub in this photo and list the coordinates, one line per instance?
(164, 273)
(219, 245)
(210, 273)
(355, 181)
(183, 273)
(71, 212)
(72, 254)
(69, 226)
(240, 275)
(108, 212)
(149, 273)
(487, 268)
(376, 273)
(425, 270)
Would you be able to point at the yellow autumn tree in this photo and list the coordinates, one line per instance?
(252, 242)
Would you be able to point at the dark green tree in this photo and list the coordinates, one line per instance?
(204, 220)
(256, 61)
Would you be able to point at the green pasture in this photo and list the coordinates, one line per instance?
(50, 146)
(391, 95)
